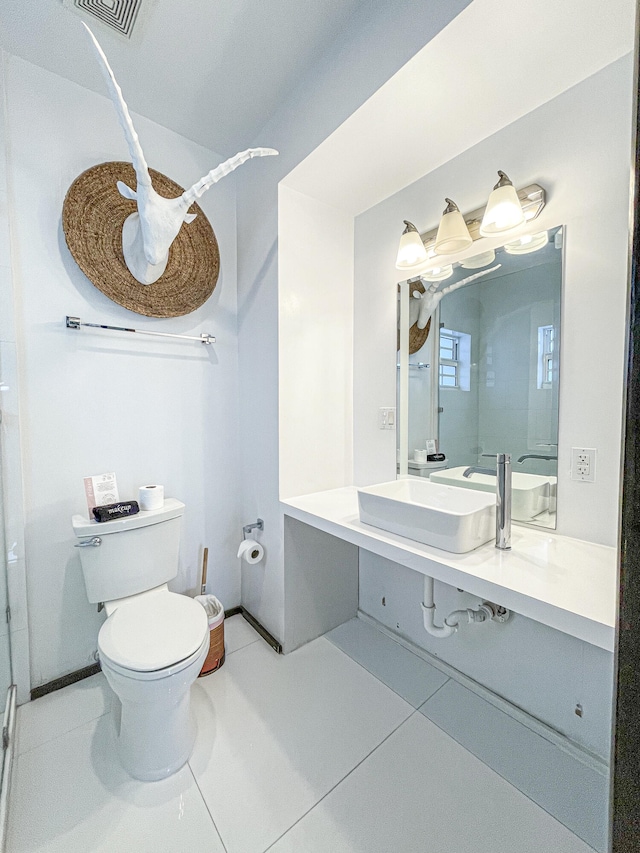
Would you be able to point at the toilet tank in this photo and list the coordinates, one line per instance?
(135, 553)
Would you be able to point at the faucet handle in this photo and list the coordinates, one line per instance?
(492, 455)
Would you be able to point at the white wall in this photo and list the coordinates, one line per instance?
(578, 147)
(150, 410)
(377, 42)
(315, 345)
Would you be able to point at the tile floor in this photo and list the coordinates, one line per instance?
(308, 752)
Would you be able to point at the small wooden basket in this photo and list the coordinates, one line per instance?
(215, 615)
(215, 657)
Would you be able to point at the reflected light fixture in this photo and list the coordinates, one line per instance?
(478, 261)
(504, 210)
(528, 243)
(438, 273)
(453, 234)
(411, 251)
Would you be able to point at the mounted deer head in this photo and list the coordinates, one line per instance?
(148, 234)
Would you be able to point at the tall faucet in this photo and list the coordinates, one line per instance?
(503, 502)
(474, 469)
(536, 456)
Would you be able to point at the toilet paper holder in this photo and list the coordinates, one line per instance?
(257, 525)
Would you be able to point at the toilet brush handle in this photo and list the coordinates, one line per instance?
(205, 559)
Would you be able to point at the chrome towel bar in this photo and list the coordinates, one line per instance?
(75, 323)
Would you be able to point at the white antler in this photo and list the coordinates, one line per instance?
(223, 169)
(135, 149)
(147, 235)
(432, 296)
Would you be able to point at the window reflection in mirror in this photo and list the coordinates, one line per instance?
(486, 378)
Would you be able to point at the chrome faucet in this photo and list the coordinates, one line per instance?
(503, 502)
(474, 469)
(536, 456)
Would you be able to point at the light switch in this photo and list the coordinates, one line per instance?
(387, 418)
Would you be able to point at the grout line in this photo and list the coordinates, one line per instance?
(578, 833)
(340, 781)
(368, 671)
(505, 778)
(384, 683)
(467, 748)
(20, 752)
(556, 738)
(239, 648)
(426, 701)
(206, 805)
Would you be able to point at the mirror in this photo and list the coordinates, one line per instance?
(483, 376)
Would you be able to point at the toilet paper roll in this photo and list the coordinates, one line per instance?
(151, 497)
(251, 551)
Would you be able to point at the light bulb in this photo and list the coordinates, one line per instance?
(411, 251)
(504, 210)
(527, 244)
(453, 234)
(478, 261)
(438, 273)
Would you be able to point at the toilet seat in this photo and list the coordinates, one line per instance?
(153, 634)
(155, 674)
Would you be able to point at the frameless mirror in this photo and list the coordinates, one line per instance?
(480, 375)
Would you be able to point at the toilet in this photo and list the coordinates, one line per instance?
(153, 642)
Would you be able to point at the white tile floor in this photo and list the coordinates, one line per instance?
(308, 752)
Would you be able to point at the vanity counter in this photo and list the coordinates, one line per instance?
(568, 584)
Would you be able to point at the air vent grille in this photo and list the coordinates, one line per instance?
(119, 15)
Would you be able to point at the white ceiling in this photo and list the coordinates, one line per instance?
(509, 67)
(212, 70)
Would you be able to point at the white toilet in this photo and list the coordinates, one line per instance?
(154, 642)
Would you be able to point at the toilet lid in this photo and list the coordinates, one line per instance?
(153, 632)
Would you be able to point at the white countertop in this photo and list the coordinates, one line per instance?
(565, 583)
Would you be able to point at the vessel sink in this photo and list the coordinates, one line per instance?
(530, 493)
(446, 517)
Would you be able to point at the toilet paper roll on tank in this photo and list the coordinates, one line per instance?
(251, 551)
(151, 497)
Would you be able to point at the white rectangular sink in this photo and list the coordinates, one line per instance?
(530, 493)
(446, 517)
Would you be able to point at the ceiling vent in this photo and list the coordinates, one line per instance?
(118, 15)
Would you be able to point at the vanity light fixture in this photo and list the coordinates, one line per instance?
(418, 251)
(478, 261)
(453, 235)
(504, 210)
(438, 273)
(411, 251)
(527, 244)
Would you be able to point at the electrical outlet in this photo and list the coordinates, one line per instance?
(387, 418)
(583, 464)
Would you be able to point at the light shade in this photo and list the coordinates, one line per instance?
(528, 243)
(438, 273)
(411, 251)
(478, 261)
(453, 234)
(503, 211)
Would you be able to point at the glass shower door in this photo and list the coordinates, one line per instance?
(7, 690)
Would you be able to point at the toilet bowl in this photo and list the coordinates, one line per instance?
(153, 643)
(152, 648)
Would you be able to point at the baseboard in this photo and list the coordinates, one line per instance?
(65, 680)
(260, 629)
(88, 671)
